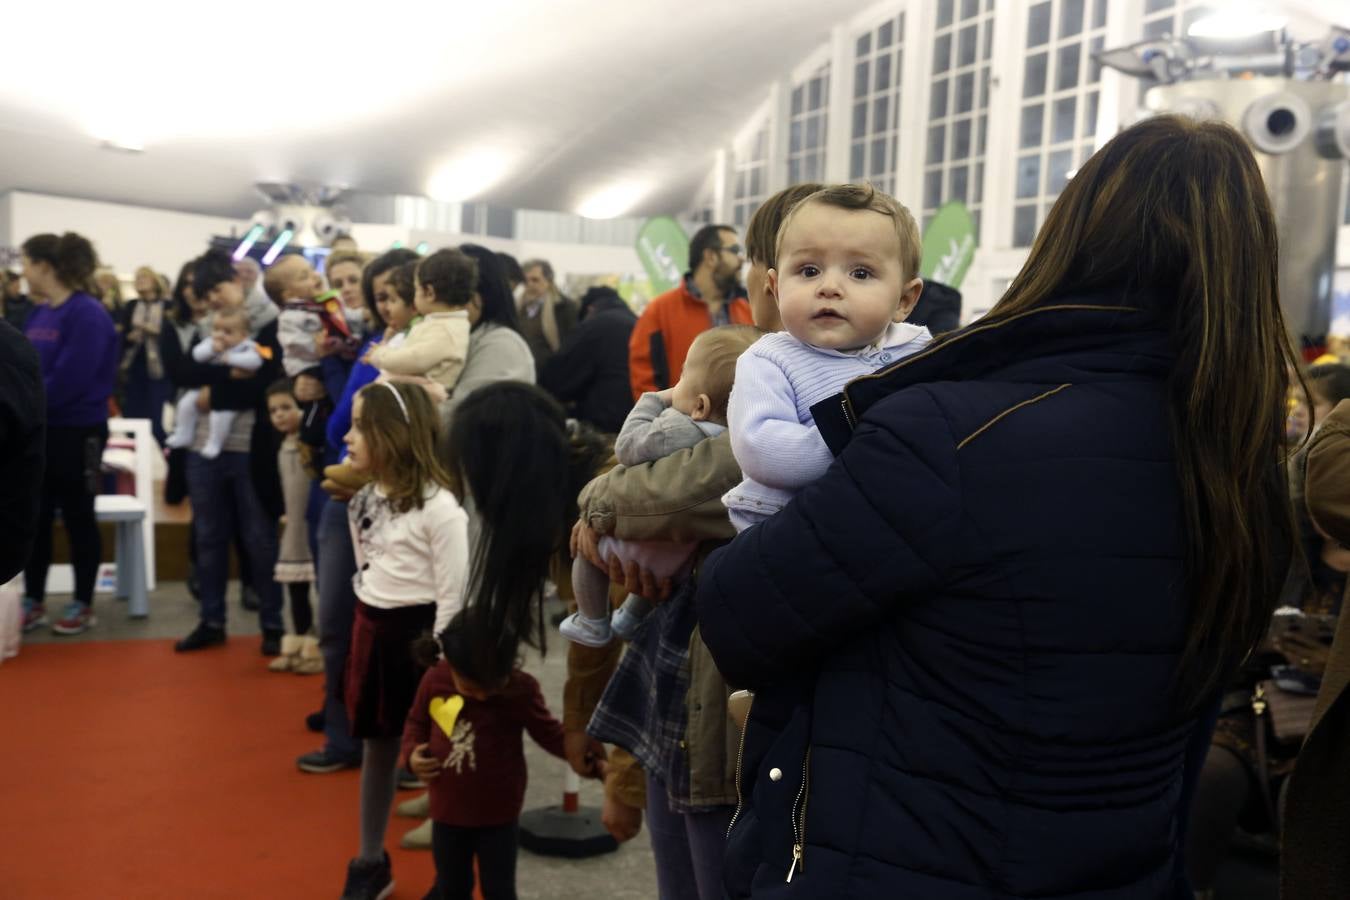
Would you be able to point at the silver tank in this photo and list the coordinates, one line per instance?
(1292, 127)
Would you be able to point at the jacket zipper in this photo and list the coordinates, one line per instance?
(740, 755)
(848, 411)
(799, 820)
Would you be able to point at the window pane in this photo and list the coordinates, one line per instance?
(756, 182)
(942, 51)
(1090, 115)
(883, 79)
(1070, 18)
(932, 189)
(1099, 13)
(965, 48)
(740, 184)
(813, 99)
(1024, 226)
(988, 41)
(797, 101)
(860, 84)
(937, 143)
(864, 46)
(961, 139)
(984, 88)
(1156, 29)
(880, 106)
(944, 16)
(762, 144)
(1033, 75)
(1038, 24)
(885, 35)
(794, 172)
(937, 104)
(970, 9)
(860, 119)
(1063, 124)
(981, 135)
(1057, 168)
(1152, 6)
(855, 162)
(977, 194)
(1028, 176)
(1066, 67)
(965, 92)
(812, 133)
(1033, 117)
(795, 138)
(960, 184)
(879, 156)
(1094, 74)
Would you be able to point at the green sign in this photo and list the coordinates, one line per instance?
(948, 245)
(663, 248)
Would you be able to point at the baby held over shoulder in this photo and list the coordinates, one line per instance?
(845, 279)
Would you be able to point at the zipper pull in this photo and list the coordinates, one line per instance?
(796, 862)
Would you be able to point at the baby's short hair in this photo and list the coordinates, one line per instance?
(274, 279)
(233, 315)
(721, 347)
(865, 197)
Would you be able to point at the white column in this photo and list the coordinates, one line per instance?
(840, 123)
(915, 84)
(780, 120)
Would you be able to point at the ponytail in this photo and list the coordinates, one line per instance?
(70, 255)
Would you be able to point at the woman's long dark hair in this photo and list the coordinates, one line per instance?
(499, 307)
(1175, 211)
(390, 259)
(510, 446)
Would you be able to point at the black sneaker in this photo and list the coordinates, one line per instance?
(271, 643)
(202, 636)
(369, 880)
(322, 762)
(407, 781)
(316, 721)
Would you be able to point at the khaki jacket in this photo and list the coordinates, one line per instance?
(676, 498)
(1316, 849)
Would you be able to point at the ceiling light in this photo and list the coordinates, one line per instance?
(467, 176)
(277, 246)
(613, 201)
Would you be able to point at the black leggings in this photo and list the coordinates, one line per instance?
(454, 849)
(302, 614)
(70, 484)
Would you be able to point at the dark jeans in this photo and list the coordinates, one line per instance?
(145, 397)
(337, 611)
(70, 484)
(688, 847)
(454, 850)
(223, 498)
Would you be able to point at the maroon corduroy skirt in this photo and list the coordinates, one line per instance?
(382, 676)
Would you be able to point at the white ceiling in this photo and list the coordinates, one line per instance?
(566, 99)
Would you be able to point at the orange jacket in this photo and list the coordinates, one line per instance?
(664, 332)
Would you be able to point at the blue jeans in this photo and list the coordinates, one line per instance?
(337, 610)
(688, 847)
(222, 497)
(145, 397)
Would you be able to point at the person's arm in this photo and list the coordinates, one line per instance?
(884, 523)
(335, 371)
(653, 430)
(448, 540)
(772, 446)
(1326, 488)
(243, 356)
(543, 728)
(84, 339)
(362, 374)
(422, 350)
(417, 727)
(567, 373)
(641, 366)
(204, 352)
(675, 498)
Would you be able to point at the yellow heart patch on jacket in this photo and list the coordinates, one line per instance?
(444, 712)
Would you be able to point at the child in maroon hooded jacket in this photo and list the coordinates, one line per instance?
(464, 738)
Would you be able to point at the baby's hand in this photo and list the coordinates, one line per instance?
(217, 345)
(666, 397)
(423, 764)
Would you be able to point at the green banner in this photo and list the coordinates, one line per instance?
(663, 248)
(948, 245)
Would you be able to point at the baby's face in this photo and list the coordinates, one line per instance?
(229, 332)
(302, 282)
(839, 282)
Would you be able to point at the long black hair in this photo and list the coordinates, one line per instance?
(499, 307)
(511, 448)
(390, 259)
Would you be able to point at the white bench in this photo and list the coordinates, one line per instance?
(129, 516)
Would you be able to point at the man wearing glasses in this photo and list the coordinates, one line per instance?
(710, 295)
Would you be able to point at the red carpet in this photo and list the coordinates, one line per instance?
(129, 771)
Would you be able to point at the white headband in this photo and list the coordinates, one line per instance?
(399, 397)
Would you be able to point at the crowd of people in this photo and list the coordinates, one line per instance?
(865, 604)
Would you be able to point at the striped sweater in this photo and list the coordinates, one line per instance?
(774, 438)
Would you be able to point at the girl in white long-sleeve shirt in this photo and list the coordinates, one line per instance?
(410, 536)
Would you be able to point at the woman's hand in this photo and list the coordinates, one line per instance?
(584, 754)
(637, 580)
(620, 820)
(423, 764)
(204, 399)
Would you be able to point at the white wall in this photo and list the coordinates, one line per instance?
(567, 259)
(124, 236)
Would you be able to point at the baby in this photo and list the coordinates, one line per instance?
(846, 278)
(436, 347)
(228, 345)
(310, 318)
(693, 410)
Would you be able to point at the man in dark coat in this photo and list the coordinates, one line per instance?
(23, 429)
(590, 370)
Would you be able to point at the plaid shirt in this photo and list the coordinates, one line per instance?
(643, 707)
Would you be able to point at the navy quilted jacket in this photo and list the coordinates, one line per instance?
(963, 636)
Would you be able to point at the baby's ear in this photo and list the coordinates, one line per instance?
(909, 296)
(702, 408)
(771, 280)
